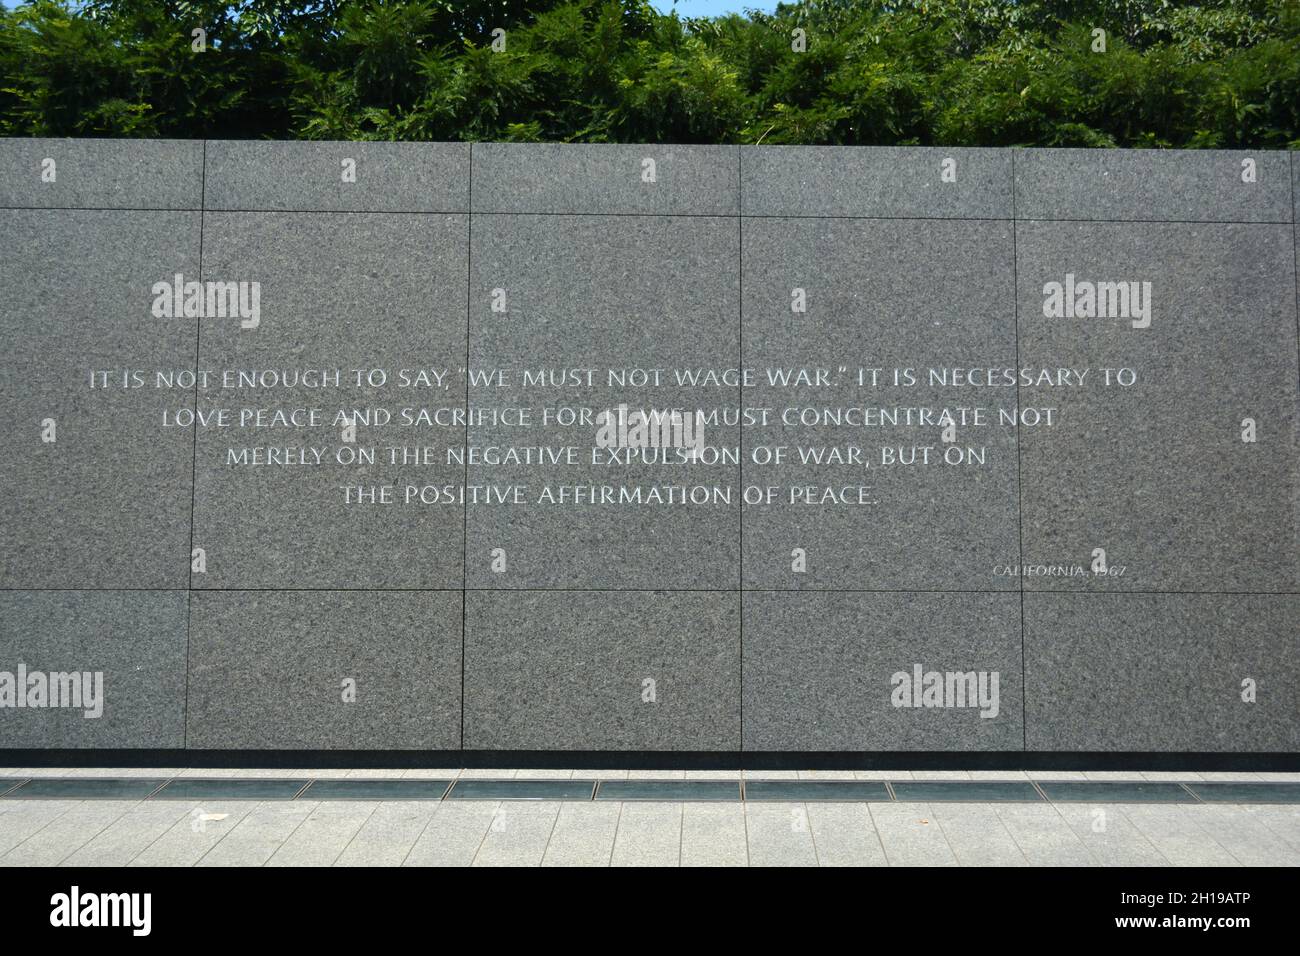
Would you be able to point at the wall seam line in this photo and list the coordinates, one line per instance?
(194, 458)
(1020, 491)
(740, 391)
(464, 515)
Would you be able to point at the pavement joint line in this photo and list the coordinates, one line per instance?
(1143, 833)
(94, 836)
(618, 825)
(931, 815)
(812, 835)
(424, 829)
(681, 830)
(875, 829)
(68, 807)
(496, 809)
(279, 846)
(160, 836)
(301, 823)
(356, 833)
(1293, 841)
(744, 822)
(550, 834)
(1207, 832)
(1014, 842)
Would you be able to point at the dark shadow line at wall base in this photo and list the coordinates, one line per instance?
(655, 760)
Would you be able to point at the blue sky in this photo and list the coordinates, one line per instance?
(711, 8)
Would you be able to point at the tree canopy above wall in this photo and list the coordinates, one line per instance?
(1160, 73)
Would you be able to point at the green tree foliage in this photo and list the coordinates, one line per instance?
(1212, 73)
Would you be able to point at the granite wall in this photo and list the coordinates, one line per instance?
(999, 448)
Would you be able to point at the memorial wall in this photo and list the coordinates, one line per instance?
(431, 447)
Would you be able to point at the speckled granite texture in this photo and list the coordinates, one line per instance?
(1129, 573)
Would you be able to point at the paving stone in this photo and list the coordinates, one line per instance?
(649, 834)
(583, 835)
